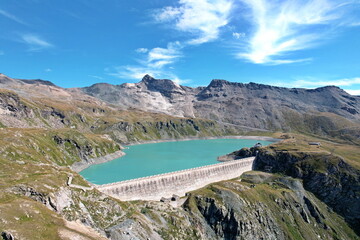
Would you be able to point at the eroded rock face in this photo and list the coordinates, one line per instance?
(36, 195)
(17, 112)
(10, 104)
(85, 151)
(329, 177)
(247, 210)
(253, 105)
(228, 223)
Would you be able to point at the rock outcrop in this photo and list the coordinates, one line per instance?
(261, 206)
(329, 177)
(253, 105)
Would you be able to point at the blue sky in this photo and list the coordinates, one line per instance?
(76, 43)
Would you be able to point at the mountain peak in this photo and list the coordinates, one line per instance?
(5, 79)
(164, 86)
(38, 81)
(147, 78)
(218, 83)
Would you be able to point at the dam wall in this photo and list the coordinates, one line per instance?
(179, 182)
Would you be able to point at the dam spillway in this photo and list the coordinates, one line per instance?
(179, 182)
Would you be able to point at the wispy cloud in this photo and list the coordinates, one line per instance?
(48, 70)
(141, 50)
(281, 27)
(355, 92)
(12, 17)
(201, 18)
(131, 72)
(154, 62)
(138, 72)
(355, 24)
(345, 82)
(311, 82)
(35, 42)
(238, 35)
(159, 57)
(97, 77)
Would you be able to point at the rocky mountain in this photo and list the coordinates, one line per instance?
(155, 95)
(253, 105)
(41, 104)
(299, 192)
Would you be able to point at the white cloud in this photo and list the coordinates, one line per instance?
(35, 43)
(287, 61)
(310, 82)
(12, 17)
(97, 77)
(48, 70)
(238, 35)
(201, 18)
(338, 82)
(282, 27)
(155, 62)
(138, 72)
(353, 91)
(141, 50)
(355, 24)
(159, 57)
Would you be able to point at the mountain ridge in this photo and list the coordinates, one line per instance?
(250, 104)
(321, 111)
(45, 129)
(150, 80)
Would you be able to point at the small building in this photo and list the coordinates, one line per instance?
(315, 144)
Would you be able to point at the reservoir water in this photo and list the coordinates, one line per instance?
(155, 158)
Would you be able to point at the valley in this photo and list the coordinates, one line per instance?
(297, 191)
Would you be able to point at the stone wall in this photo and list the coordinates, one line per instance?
(180, 182)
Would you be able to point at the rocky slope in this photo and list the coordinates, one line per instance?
(328, 176)
(233, 107)
(156, 95)
(252, 105)
(263, 206)
(44, 129)
(40, 104)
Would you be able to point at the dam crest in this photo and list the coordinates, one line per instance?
(180, 182)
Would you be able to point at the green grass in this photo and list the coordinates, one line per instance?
(31, 157)
(29, 218)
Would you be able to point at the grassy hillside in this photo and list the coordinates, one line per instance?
(41, 137)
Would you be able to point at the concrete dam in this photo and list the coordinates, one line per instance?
(179, 182)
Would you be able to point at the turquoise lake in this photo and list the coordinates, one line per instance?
(154, 158)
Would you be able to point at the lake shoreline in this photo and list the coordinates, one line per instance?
(80, 166)
(261, 138)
